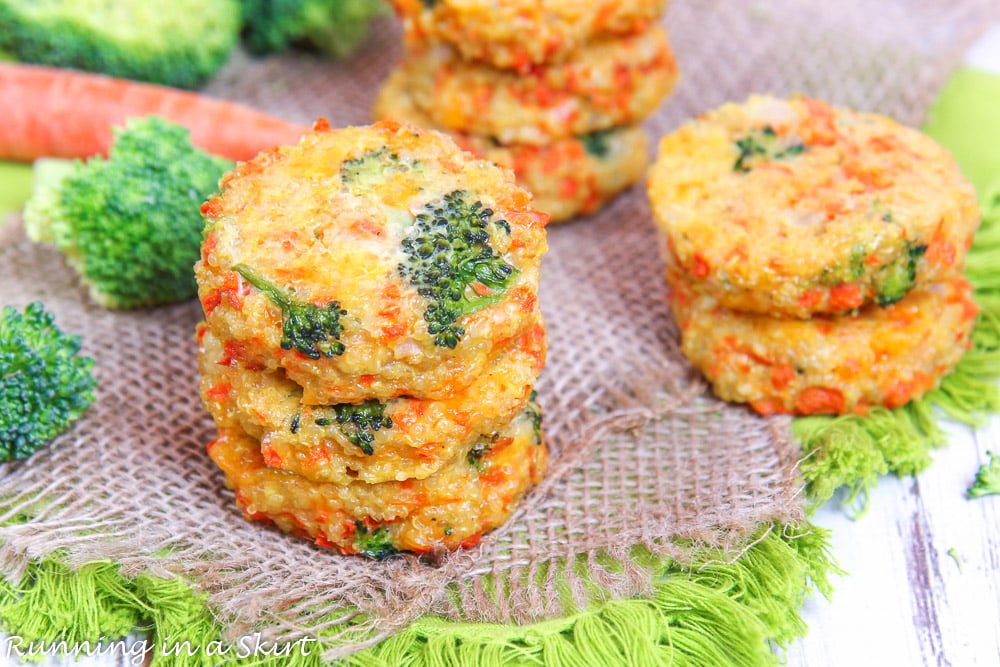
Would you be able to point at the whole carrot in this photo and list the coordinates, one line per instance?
(51, 112)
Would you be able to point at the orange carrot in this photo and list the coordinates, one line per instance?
(820, 401)
(52, 112)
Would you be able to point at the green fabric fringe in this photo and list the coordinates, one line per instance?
(711, 612)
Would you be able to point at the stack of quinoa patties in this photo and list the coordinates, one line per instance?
(554, 89)
(814, 255)
(372, 339)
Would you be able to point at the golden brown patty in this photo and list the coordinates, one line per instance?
(518, 34)
(794, 207)
(322, 259)
(399, 439)
(612, 82)
(568, 177)
(446, 511)
(828, 364)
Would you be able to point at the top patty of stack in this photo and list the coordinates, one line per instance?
(519, 34)
(371, 262)
(796, 207)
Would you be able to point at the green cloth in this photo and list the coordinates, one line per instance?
(966, 119)
(15, 187)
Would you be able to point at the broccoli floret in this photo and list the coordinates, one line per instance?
(44, 384)
(312, 329)
(987, 478)
(452, 265)
(333, 27)
(479, 450)
(483, 445)
(853, 269)
(360, 174)
(359, 422)
(373, 543)
(130, 224)
(179, 43)
(894, 280)
(596, 143)
(766, 144)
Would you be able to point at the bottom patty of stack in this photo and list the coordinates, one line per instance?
(879, 356)
(450, 509)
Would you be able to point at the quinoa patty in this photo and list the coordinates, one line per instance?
(568, 177)
(611, 82)
(519, 34)
(448, 510)
(794, 207)
(337, 260)
(827, 364)
(402, 438)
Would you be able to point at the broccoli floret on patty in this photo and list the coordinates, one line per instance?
(359, 422)
(373, 542)
(312, 329)
(894, 280)
(764, 144)
(450, 261)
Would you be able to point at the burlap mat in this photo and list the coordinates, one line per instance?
(641, 455)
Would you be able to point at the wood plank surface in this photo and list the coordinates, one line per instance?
(923, 583)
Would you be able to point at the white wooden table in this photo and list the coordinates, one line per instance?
(923, 582)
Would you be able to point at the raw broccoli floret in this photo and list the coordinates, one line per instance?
(373, 543)
(130, 224)
(359, 422)
(987, 478)
(312, 329)
(450, 261)
(179, 43)
(44, 384)
(333, 27)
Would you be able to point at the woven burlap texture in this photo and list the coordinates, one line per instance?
(641, 454)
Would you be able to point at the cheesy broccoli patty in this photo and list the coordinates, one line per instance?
(795, 207)
(371, 262)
